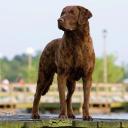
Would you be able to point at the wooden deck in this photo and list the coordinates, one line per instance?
(24, 121)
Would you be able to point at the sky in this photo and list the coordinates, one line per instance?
(33, 23)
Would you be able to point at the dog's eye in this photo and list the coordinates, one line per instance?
(71, 12)
(62, 13)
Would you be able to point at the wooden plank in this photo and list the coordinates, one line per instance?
(25, 121)
(109, 124)
(124, 124)
(84, 124)
(10, 124)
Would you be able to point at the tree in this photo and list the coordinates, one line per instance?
(115, 72)
(17, 69)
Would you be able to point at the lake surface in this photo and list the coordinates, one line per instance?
(100, 116)
(118, 115)
(111, 116)
(19, 116)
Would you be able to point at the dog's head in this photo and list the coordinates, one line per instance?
(72, 17)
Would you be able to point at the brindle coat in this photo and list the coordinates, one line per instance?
(71, 57)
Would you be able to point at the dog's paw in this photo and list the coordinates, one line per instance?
(62, 116)
(72, 116)
(35, 116)
(88, 118)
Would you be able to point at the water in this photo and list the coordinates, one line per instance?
(26, 116)
(121, 116)
(111, 116)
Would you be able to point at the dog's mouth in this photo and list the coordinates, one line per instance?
(64, 28)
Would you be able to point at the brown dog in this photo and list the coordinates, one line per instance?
(71, 57)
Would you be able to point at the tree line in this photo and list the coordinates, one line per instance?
(17, 69)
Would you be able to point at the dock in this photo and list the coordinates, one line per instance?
(25, 121)
(105, 98)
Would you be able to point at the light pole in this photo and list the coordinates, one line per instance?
(0, 67)
(105, 73)
(30, 52)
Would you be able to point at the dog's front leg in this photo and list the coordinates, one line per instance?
(86, 88)
(35, 114)
(61, 87)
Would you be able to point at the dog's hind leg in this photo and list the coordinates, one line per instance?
(47, 83)
(71, 87)
(43, 85)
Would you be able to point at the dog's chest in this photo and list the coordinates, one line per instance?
(75, 57)
(75, 73)
(71, 60)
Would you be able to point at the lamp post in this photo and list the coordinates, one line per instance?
(0, 67)
(30, 52)
(105, 73)
(1, 56)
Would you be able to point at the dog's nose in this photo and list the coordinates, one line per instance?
(61, 20)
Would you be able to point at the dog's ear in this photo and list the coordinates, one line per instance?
(84, 15)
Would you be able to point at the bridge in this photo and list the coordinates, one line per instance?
(103, 96)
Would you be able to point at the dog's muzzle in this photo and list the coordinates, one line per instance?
(61, 23)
